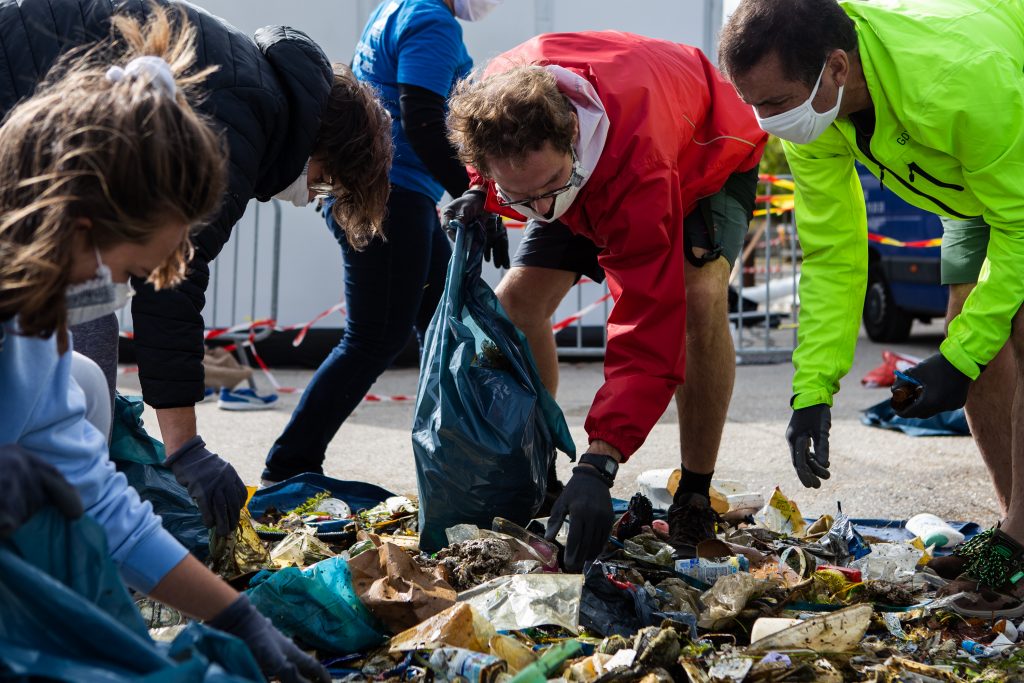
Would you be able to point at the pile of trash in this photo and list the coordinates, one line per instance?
(776, 597)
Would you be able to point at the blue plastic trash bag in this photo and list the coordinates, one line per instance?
(293, 492)
(67, 616)
(140, 457)
(319, 606)
(950, 423)
(485, 429)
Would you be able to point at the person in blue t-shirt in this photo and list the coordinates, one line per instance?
(412, 52)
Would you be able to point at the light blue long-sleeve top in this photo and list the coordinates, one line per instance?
(42, 409)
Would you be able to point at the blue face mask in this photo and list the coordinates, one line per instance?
(97, 297)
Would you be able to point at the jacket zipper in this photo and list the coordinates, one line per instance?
(914, 168)
(864, 144)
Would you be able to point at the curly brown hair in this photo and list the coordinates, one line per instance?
(126, 156)
(508, 115)
(354, 145)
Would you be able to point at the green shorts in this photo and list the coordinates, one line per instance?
(964, 245)
(720, 222)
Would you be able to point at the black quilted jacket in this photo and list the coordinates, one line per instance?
(267, 95)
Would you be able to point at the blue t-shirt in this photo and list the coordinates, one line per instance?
(415, 42)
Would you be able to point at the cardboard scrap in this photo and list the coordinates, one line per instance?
(396, 590)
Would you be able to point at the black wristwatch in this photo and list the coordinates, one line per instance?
(605, 464)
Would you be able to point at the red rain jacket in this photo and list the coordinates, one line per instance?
(677, 131)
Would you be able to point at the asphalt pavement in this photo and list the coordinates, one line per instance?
(875, 473)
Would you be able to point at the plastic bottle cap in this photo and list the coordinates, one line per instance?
(937, 539)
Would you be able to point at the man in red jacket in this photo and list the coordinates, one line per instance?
(632, 158)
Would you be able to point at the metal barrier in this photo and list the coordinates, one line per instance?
(765, 278)
(253, 250)
(767, 274)
(261, 302)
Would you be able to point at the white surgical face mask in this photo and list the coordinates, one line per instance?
(97, 297)
(802, 124)
(562, 201)
(298, 192)
(474, 10)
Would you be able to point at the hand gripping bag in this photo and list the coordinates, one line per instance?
(485, 429)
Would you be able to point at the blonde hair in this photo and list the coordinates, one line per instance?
(354, 145)
(508, 115)
(123, 154)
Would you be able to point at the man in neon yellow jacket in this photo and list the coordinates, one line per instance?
(929, 96)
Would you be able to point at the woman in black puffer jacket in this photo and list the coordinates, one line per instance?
(279, 105)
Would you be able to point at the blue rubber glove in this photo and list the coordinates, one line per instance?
(933, 386)
(212, 483)
(28, 483)
(587, 501)
(277, 655)
(809, 426)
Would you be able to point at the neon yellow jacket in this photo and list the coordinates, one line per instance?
(946, 80)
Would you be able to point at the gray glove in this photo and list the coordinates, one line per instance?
(28, 483)
(212, 482)
(276, 654)
(809, 426)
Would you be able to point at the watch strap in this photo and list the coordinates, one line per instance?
(605, 464)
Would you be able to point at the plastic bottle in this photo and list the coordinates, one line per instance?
(977, 649)
(933, 531)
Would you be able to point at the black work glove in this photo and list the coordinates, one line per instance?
(276, 654)
(495, 240)
(587, 501)
(465, 209)
(809, 426)
(28, 483)
(935, 386)
(212, 482)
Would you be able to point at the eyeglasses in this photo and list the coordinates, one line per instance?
(504, 200)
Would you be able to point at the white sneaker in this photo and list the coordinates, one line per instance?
(244, 399)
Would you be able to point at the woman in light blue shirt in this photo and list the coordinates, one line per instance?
(106, 171)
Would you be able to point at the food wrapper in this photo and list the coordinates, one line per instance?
(895, 562)
(458, 626)
(842, 541)
(727, 598)
(240, 553)
(648, 548)
(708, 571)
(781, 515)
(300, 548)
(521, 601)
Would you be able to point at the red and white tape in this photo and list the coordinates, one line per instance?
(254, 327)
